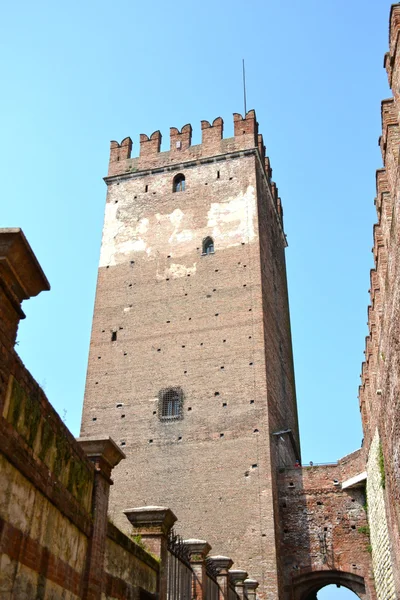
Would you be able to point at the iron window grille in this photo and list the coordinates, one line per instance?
(170, 404)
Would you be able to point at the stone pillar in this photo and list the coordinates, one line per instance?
(250, 586)
(222, 564)
(21, 277)
(198, 550)
(153, 524)
(237, 577)
(105, 455)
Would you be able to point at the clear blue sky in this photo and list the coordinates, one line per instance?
(331, 592)
(76, 75)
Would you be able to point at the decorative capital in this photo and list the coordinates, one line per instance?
(21, 277)
(251, 584)
(104, 452)
(198, 549)
(151, 520)
(237, 576)
(19, 268)
(222, 564)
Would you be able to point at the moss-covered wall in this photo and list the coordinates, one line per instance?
(46, 513)
(29, 413)
(128, 567)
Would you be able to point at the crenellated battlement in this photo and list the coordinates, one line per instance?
(394, 28)
(122, 151)
(392, 58)
(211, 134)
(390, 127)
(149, 145)
(213, 144)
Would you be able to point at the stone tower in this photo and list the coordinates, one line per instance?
(190, 366)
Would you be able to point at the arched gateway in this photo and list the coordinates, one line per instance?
(307, 585)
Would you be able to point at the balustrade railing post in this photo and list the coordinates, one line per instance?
(153, 524)
(250, 586)
(198, 550)
(222, 565)
(237, 577)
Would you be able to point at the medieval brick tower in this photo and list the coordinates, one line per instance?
(190, 366)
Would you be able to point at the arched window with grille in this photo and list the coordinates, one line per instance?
(170, 404)
(178, 184)
(208, 245)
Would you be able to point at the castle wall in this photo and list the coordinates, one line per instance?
(380, 538)
(55, 540)
(129, 570)
(380, 386)
(42, 551)
(168, 316)
(325, 530)
(45, 498)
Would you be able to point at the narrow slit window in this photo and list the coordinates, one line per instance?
(178, 183)
(208, 245)
(113, 336)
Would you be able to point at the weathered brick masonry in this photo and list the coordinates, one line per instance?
(191, 372)
(192, 300)
(380, 383)
(55, 539)
(213, 326)
(325, 535)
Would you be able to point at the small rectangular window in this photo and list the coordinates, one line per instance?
(114, 336)
(170, 404)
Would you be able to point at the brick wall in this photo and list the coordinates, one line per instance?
(129, 569)
(55, 541)
(380, 385)
(325, 537)
(215, 326)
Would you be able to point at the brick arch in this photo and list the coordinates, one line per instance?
(306, 585)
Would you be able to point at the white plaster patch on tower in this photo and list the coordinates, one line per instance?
(138, 245)
(175, 271)
(179, 235)
(110, 231)
(233, 220)
(182, 236)
(229, 223)
(176, 217)
(143, 226)
(120, 238)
